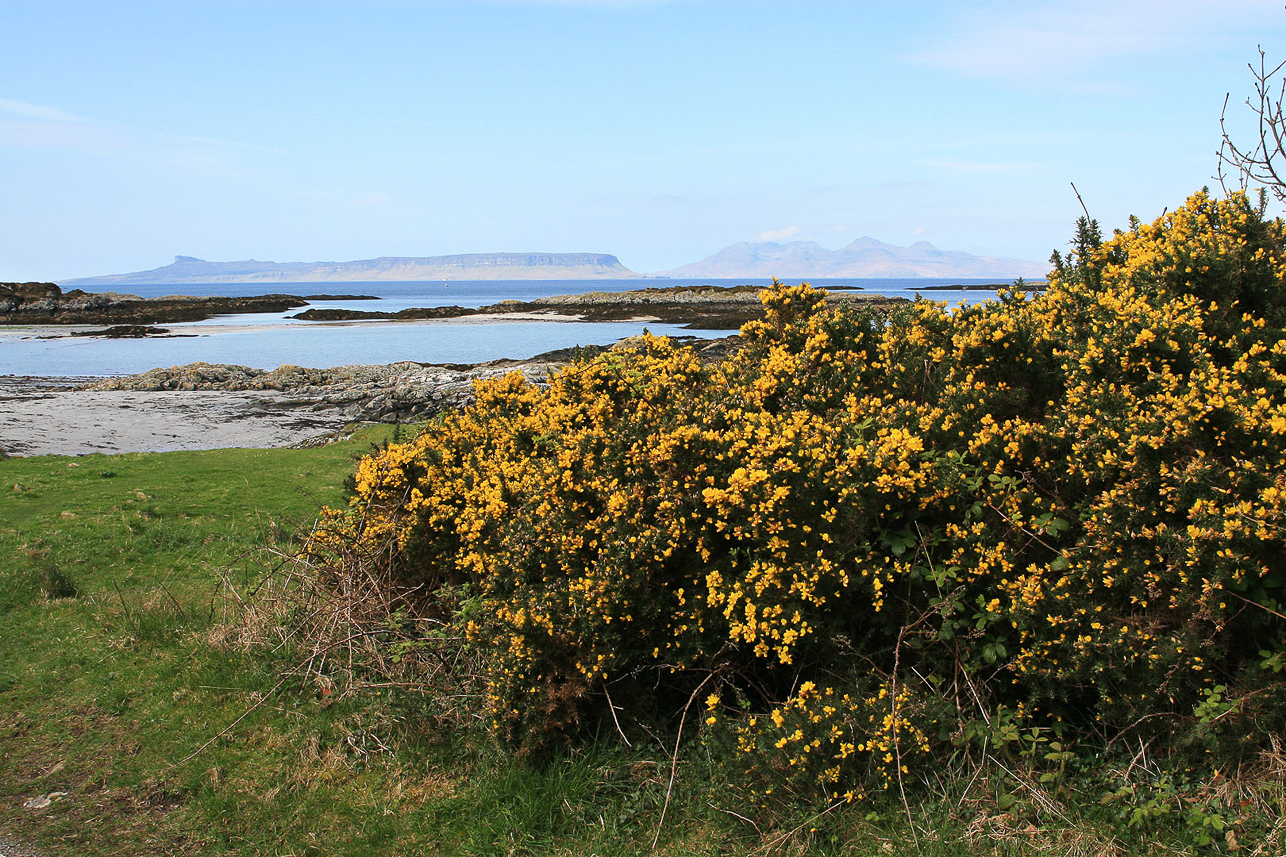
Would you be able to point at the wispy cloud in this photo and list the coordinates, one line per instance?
(38, 126)
(790, 233)
(1066, 44)
(39, 112)
(982, 166)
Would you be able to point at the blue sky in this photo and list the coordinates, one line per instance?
(659, 131)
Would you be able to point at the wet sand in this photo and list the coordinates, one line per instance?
(46, 416)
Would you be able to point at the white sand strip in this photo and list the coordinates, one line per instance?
(78, 422)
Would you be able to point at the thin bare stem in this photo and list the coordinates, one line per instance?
(674, 759)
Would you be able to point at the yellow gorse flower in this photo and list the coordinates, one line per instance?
(1079, 490)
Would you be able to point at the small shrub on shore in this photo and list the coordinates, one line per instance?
(1047, 527)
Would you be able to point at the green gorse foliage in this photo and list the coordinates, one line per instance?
(863, 542)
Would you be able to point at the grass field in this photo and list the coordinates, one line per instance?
(119, 699)
(130, 724)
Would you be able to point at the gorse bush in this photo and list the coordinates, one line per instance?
(860, 540)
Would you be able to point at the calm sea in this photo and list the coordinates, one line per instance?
(269, 340)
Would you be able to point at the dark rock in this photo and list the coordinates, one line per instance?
(124, 331)
(46, 303)
(398, 392)
(694, 307)
(1027, 286)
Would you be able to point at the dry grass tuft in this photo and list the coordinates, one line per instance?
(348, 626)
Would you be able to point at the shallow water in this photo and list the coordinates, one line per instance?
(269, 340)
(316, 345)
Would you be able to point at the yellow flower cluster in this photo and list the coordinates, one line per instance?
(1072, 502)
(828, 740)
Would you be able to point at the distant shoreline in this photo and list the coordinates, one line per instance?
(1028, 285)
(703, 307)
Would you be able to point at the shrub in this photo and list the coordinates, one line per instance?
(857, 535)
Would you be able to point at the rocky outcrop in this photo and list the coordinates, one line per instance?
(694, 307)
(46, 303)
(126, 331)
(398, 392)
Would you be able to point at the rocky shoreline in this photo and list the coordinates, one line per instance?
(46, 303)
(692, 307)
(205, 406)
(397, 392)
(208, 406)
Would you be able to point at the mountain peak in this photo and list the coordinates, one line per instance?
(864, 257)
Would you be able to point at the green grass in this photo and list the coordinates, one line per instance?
(112, 597)
(116, 688)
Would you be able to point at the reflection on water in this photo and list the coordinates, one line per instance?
(278, 340)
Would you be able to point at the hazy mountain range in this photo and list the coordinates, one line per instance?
(865, 257)
(469, 266)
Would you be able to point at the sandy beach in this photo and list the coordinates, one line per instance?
(47, 416)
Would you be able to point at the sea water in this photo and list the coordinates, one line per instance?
(269, 340)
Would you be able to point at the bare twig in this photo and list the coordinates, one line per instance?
(1263, 161)
(739, 816)
(1081, 201)
(674, 760)
(611, 706)
(897, 743)
(225, 730)
(1255, 604)
(780, 839)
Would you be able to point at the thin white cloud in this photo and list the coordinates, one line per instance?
(38, 112)
(982, 166)
(36, 126)
(788, 234)
(1067, 44)
(189, 140)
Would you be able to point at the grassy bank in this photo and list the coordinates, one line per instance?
(124, 704)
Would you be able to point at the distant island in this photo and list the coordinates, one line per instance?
(695, 307)
(865, 257)
(469, 266)
(797, 260)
